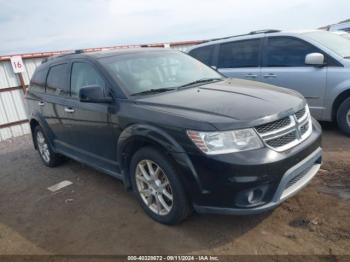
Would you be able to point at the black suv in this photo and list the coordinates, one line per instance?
(175, 131)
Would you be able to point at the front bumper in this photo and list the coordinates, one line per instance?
(301, 174)
(226, 180)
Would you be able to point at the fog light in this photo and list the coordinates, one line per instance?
(252, 197)
(255, 196)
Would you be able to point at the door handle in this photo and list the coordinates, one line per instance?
(69, 110)
(270, 75)
(250, 75)
(41, 103)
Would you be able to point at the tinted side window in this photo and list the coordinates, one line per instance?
(84, 74)
(239, 54)
(37, 83)
(287, 52)
(204, 54)
(57, 80)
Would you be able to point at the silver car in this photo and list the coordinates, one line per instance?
(314, 63)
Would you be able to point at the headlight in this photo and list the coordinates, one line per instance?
(213, 143)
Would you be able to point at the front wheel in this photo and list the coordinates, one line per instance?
(157, 186)
(343, 117)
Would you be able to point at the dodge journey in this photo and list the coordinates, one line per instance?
(177, 133)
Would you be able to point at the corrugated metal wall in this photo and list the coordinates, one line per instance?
(11, 103)
(12, 113)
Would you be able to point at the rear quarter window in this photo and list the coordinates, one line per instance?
(37, 82)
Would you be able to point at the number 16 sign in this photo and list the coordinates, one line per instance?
(17, 64)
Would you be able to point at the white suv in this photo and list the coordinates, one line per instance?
(314, 63)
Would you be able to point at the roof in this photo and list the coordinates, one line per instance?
(101, 54)
(127, 51)
(252, 35)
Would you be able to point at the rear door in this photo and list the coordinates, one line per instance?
(240, 59)
(54, 103)
(284, 65)
(36, 93)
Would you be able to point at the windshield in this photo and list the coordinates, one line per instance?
(335, 42)
(164, 70)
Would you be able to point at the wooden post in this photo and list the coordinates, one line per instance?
(21, 80)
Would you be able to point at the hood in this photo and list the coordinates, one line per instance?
(232, 103)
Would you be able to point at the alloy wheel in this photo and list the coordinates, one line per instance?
(43, 146)
(154, 187)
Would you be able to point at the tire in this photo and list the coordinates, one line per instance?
(343, 117)
(47, 155)
(161, 195)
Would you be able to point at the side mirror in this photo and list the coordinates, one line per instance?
(93, 94)
(315, 59)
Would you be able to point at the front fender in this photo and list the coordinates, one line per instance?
(156, 136)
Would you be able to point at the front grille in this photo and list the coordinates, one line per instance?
(304, 128)
(282, 140)
(300, 113)
(273, 125)
(287, 132)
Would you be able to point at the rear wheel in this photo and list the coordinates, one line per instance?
(47, 155)
(158, 187)
(343, 117)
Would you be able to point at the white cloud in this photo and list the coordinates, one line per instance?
(54, 24)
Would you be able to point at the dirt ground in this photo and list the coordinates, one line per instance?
(95, 215)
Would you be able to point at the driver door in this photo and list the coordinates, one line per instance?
(95, 139)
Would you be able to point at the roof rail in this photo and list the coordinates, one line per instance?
(221, 38)
(264, 31)
(78, 51)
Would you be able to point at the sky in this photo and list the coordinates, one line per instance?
(39, 25)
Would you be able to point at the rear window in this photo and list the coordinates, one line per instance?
(239, 54)
(57, 80)
(204, 54)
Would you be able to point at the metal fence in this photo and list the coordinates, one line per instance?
(13, 119)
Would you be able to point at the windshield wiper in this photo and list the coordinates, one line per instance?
(203, 80)
(152, 91)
